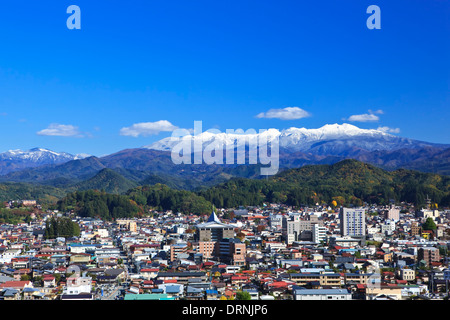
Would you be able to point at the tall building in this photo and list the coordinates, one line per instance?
(415, 229)
(216, 241)
(294, 228)
(428, 254)
(214, 230)
(392, 214)
(319, 233)
(352, 222)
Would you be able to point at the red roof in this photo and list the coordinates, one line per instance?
(278, 284)
(15, 284)
(149, 270)
(170, 281)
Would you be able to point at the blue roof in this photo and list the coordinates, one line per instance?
(211, 291)
(173, 289)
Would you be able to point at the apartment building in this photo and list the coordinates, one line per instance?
(352, 222)
(429, 255)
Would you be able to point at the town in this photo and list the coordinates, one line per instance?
(271, 252)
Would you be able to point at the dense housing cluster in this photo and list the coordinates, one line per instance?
(270, 252)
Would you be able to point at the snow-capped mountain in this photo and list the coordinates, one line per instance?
(13, 160)
(331, 139)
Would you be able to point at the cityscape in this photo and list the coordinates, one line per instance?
(271, 252)
(182, 159)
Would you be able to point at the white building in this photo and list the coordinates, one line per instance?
(319, 233)
(322, 294)
(9, 254)
(388, 227)
(77, 285)
(352, 222)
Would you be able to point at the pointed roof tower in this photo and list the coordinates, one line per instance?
(213, 222)
(213, 217)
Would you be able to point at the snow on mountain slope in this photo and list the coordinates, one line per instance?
(331, 139)
(39, 156)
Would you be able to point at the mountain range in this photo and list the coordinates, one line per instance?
(14, 160)
(152, 164)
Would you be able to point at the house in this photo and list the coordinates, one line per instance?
(118, 274)
(49, 280)
(193, 293)
(80, 258)
(149, 273)
(76, 285)
(384, 292)
(172, 290)
(9, 294)
(18, 285)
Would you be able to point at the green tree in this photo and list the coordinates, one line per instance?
(243, 295)
(429, 224)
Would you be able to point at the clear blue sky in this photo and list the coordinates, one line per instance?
(222, 62)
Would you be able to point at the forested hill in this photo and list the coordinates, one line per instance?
(347, 182)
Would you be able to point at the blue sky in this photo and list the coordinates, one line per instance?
(142, 65)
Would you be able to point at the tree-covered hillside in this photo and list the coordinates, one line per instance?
(349, 182)
(346, 182)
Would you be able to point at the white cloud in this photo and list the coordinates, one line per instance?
(366, 117)
(389, 130)
(60, 130)
(289, 113)
(147, 128)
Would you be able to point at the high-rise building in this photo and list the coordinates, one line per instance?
(352, 222)
(297, 228)
(216, 241)
(319, 233)
(214, 230)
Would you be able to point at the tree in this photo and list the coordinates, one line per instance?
(243, 295)
(429, 224)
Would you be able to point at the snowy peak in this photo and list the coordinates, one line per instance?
(38, 156)
(330, 137)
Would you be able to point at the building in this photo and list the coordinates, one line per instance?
(388, 227)
(294, 228)
(214, 230)
(392, 214)
(415, 229)
(407, 274)
(276, 221)
(429, 255)
(231, 251)
(322, 278)
(321, 294)
(216, 241)
(76, 285)
(319, 233)
(384, 292)
(352, 222)
(177, 249)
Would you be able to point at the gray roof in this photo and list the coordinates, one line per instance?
(320, 291)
